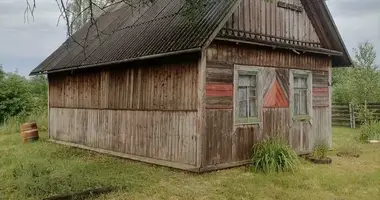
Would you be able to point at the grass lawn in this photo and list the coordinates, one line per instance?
(42, 169)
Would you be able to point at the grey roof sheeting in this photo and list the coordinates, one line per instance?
(319, 13)
(124, 34)
(161, 29)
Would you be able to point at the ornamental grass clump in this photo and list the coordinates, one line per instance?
(274, 155)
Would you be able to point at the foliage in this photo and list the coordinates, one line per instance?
(361, 82)
(274, 155)
(365, 56)
(79, 12)
(21, 99)
(14, 96)
(364, 114)
(370, 131)
(320, 151)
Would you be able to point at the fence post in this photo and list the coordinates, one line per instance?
(365, 111)
(350, 113)
(351, 109)
(353, 116)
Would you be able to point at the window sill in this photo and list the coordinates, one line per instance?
(302, 118)
(246, 123)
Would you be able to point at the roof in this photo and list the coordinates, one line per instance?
(124, 34)
(161, 29)
(327, 31)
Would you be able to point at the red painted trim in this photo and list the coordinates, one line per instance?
(275, 97)
(219, 90)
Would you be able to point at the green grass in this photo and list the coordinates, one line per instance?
(38, 170)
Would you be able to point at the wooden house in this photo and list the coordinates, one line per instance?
(195, 92)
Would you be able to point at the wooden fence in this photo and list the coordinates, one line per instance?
(350, 116)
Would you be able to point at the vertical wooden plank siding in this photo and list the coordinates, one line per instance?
(264, 19)
(226, 142)
(149, 111)
(167, 87)
(201, 118)
(113, 130)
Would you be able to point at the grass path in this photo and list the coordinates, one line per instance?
(35, 171)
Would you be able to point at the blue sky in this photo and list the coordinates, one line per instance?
(24, 45)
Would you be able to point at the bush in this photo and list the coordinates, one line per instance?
(274, 155)
(22, 100)
(370, 131)
(320, 151)
(364, 114)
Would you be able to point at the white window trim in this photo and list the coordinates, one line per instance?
(259, 94)
(309, 115)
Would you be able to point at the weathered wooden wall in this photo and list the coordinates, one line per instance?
(163, 135)
(227, 143)
(166, 87)
(148, 111)
(265, 20)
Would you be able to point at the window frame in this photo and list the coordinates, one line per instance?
(309, 106)
(247, 70)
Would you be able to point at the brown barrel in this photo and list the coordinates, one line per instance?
(29, 132)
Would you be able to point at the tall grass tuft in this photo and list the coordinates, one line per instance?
(370, 131)
(274, 155)
(12, 124)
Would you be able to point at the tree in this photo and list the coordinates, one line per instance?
(14, 95)
(365, 55)
(80, 13)
(362, 81)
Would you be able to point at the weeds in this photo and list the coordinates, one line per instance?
(320, 151)
(12, 124)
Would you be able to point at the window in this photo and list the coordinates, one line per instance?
(300, 95)
(246, 101)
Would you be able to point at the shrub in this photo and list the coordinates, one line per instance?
(320, 151)
(364, 114)
(370, 131)
(274, 155)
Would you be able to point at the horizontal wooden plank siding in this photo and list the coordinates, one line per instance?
(163, 135)
(265, 20)
(229, 142)
(154, 87)
(223, 54)
(320, 89)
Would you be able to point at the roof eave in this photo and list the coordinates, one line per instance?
(346, 59)
(193, 50)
